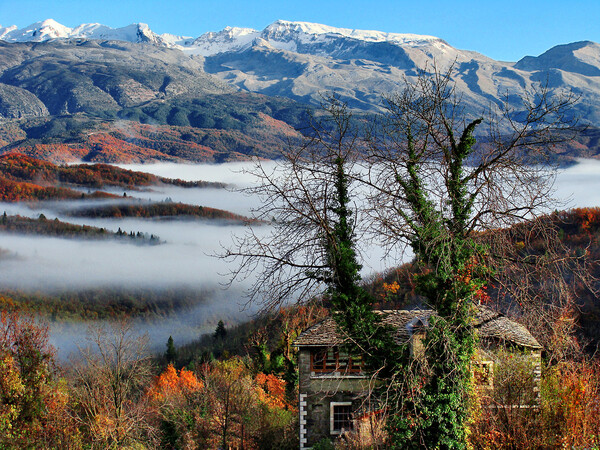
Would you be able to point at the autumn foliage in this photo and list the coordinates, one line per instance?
(571, 392)
(222, 405)
(210, 138)
(271, 391)
(161, 209)
(17, 191)
(172, 383)
(568, 415)
(33, 403)
(23, 168)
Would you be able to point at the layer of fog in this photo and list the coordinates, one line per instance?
(184, 260)
(43, 263)
(68, 337)
(230, 173)
(579, 185)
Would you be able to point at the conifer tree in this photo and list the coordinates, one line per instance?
(171, 353)
(220, 331)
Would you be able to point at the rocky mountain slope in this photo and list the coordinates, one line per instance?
(86, 100)
(96, 76)
(299, 61)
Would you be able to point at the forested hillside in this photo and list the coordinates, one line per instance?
(18, 167)
(18, 191)
(82, 138)
(166, 209)
(44, 227)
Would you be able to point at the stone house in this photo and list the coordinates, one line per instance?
(333, 389)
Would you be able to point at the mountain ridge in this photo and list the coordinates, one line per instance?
(140, 32)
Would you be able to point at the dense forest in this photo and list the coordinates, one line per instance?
(165, 209)
(80, 137)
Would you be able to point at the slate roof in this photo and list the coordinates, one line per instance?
(489, 324)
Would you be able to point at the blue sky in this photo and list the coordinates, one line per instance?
(504, 30)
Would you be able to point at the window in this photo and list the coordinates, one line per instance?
(328, 360)
(340, 417)
(324, 360)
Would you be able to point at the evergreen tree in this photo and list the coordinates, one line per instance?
(171, 353)
(220, 331)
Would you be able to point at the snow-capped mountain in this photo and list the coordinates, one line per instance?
(50, 29)
(302, 60)
(302, 37)
(37, 32)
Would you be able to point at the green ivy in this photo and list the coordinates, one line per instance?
(429, 406)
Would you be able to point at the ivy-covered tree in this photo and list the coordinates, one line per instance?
(423, 181)
(435, 189)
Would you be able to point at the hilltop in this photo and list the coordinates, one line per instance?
(23, 168)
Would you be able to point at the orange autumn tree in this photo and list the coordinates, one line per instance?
(247, 410)
(589, 218)
(170, 383)
(178, 407)
(272, 391)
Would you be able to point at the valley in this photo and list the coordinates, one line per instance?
(85, 272)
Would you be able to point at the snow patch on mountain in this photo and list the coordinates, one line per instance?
(37, 32)
(306, 31)
(227, 40)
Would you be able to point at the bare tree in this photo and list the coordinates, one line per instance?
(288, 259)
(110, 384)
(500, 181)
